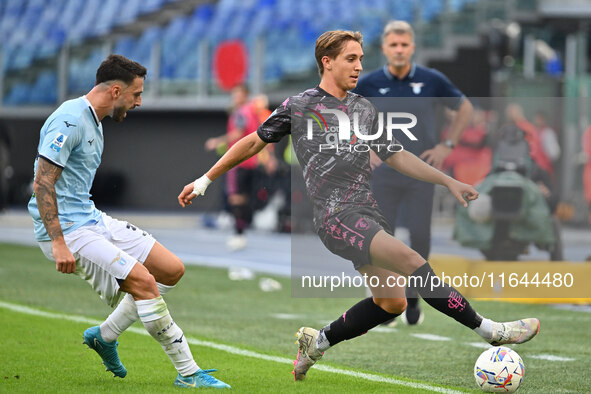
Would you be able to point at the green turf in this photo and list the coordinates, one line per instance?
(63, 364)
(208, 306)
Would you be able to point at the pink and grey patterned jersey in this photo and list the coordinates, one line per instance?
(336, 171)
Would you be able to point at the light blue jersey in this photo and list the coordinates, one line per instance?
(71, 138)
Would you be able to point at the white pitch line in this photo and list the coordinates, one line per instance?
(236, 350)
(547, 357)
(286, 316)
(431, 337)
(550, 357)
(479, 345)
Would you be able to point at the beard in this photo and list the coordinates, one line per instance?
(119, 114)
(398, 62)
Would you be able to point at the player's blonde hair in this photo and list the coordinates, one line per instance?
(398, 27)
(331, 44)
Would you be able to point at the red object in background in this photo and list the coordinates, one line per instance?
(469, 163)
(230, 63)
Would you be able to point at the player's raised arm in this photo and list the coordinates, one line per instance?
(408, 164)
(44, 187)
(243, 149)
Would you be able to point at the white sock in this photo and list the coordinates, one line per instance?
(120, 319)
(124, 316)
(322, 342)
(485, 330)
(157, 321)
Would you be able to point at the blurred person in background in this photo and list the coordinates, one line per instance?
(514, 114)
(346, 215)
(548, 139)
(541, 170)
(470, 161)
(586, 141)
(113, 256)
(401, 77)
(243, 120)
(5, 167)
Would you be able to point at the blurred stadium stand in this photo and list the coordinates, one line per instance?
(177, 39)
(50, 49)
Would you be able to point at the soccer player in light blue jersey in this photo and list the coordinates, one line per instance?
(113, 256)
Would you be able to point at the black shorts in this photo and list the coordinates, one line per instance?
(240, 181)
(349, 234)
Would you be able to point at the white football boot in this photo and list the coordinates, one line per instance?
(518, 331)
(308, 353)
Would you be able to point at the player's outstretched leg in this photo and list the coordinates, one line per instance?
(199, 379)
(448, 300)
(308, 352)
(107, 351)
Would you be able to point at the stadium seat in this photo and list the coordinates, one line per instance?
(128, 11)
(106, 17)
(147, 6)
(44, 91)
(38, 29)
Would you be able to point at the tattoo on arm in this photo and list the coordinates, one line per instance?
(44, 186)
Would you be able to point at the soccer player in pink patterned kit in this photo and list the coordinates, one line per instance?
(337, 182)
(111, 255)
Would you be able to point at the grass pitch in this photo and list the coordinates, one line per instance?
(45, 354)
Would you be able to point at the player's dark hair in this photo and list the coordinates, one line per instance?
(331, 44)
(117, 67)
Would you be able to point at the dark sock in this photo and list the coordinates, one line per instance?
(412, 297)
(359, 319)
(444, 298)
(242, 216)
(413, 312)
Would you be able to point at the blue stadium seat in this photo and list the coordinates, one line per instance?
(82, 72)
(44, 90)
(187, 43)
(36, 29)
(81, 27)
(128, 11)
(171, 38)
(147, 6)
(125, 46)
(403, 10)
(106, 17)
(48, 35)
(18, 95)
(431, 9)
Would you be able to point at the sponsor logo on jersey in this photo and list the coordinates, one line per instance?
(58, 142)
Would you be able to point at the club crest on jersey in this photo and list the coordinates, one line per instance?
(416, 87)
(58, 142)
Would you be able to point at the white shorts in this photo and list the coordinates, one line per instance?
(105, 252)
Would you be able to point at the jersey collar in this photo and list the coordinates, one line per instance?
(411, 74)
(92, 111)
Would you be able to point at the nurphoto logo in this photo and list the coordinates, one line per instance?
(359, 139)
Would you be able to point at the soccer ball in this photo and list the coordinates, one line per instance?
(499, 370)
